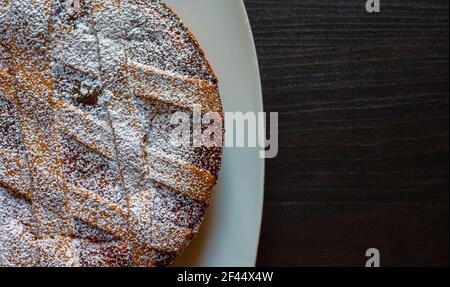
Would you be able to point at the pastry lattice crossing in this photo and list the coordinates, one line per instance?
(87, 176)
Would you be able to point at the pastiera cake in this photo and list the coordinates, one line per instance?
(87, 174)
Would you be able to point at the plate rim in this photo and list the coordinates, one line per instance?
(261, 106)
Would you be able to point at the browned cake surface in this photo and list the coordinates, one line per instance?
(87, 174)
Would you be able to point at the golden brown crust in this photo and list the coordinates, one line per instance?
(197, 44)
(87, 177)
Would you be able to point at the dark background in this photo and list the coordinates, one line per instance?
(363, 101)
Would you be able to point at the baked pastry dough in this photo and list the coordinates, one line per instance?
(87, 174)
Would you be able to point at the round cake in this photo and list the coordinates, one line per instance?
(88, 174)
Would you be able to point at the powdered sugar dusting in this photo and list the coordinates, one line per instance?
(87, 176)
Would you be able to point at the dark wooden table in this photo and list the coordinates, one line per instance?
(363, 101)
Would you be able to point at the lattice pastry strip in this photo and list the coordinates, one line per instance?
(33, 100)
(85, 129)
(79, 81)
(125, 121)
(146, 24)
(87, 125)
(12, 175)
(178, 90)
(121, 110)
(12, 155)
(18, 246)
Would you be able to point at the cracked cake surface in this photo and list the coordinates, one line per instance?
(87, 174)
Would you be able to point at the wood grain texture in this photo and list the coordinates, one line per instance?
(363, 101)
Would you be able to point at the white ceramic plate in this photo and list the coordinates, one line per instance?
(230, 233)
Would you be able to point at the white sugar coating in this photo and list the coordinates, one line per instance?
(87, 174)
(18, 244)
